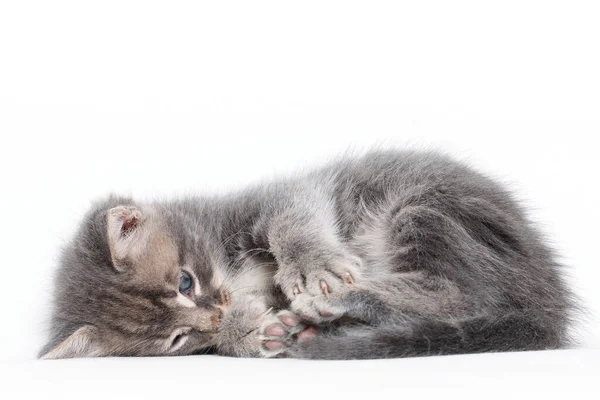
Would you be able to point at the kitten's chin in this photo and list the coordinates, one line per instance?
(209, 348)
(204, 351)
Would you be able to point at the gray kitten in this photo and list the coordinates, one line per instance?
(387, 255)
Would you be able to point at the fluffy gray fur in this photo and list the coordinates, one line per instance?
(390, 254)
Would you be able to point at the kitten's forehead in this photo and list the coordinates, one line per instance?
(159, 263)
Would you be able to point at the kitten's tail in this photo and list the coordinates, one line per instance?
(510, 332)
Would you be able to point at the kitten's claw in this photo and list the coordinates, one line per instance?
(348, 278)
(324, 288)
(296, 290)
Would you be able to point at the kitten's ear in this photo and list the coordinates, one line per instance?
(84, 342)
(126, 235)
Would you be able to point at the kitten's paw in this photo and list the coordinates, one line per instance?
(315, 290)
(280, 331)
(241, 322)
(320, 279)
(334, 278)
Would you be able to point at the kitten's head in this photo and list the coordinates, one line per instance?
(132, 282)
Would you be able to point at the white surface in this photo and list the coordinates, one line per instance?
(534, 375)
(159, 98)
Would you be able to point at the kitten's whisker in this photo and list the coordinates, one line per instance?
(240, 260)
(241, 274)
(235, 289)
(268, 311)
(223, 244)
(245, 287)
(229, 238)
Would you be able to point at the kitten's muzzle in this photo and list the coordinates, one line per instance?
(205, 319)
(210, 319)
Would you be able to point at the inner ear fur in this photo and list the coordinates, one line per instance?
(127, 235)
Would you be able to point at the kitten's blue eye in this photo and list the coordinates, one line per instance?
(185, 282)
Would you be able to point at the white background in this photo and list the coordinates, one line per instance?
(156, 99)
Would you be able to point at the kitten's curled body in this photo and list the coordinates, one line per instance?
(386, 255)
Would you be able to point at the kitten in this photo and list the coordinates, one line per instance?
(390, 254)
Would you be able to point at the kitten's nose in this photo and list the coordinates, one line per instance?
(215, 318)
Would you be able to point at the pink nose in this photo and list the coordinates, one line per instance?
(215, 319)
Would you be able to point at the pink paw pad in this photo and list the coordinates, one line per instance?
(273, 345)
(275, 330)
(307, 334)
(289, 320)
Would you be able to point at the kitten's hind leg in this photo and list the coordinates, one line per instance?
(430, 336)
